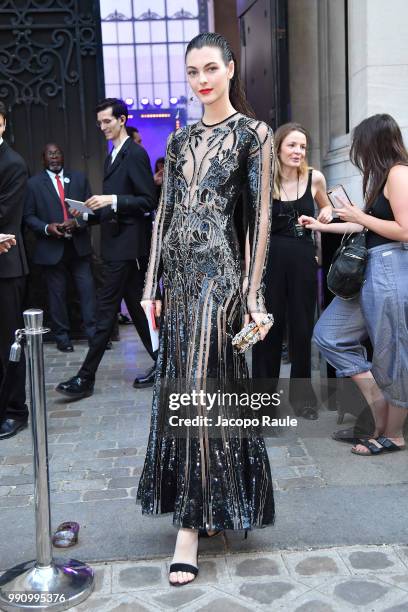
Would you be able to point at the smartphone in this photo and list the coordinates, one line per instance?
(7, 237)
(336, 194)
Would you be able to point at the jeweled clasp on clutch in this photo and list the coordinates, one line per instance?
(249, 335)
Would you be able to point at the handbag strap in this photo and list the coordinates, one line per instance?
(363, 231)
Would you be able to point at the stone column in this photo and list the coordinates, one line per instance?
(378, 59)
(303, 70)
(378, 77)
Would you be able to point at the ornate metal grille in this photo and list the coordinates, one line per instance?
(50, 77)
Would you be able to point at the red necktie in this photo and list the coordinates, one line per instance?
(62, 196)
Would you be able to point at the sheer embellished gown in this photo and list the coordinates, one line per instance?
(208, 481)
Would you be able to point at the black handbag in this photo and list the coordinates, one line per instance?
(346, 274)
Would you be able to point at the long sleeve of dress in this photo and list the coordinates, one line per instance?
(260, 167)
(161, 224)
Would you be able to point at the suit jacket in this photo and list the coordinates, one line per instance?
(42, 206)
(127, 234)
(13, 184)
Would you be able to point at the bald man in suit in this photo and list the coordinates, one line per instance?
(63, 245)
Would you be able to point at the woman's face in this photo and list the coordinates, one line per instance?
(292, 151)
(208, 75)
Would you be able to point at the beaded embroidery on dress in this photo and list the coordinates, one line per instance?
(221, 482)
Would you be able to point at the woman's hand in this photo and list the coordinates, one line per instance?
(258, 317)
(350, 212)
(311, 223)
(325, 214)
(156, 304)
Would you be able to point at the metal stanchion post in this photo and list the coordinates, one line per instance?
(45, 583)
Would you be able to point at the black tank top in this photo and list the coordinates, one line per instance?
(285, 214)
(381, 209)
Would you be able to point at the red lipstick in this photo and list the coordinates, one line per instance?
(205, 91)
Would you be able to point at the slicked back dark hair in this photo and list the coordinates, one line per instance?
(377, 146)
(118, 106)
(236, 94)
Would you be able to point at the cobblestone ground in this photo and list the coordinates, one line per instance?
(339, 542)
(331, 580)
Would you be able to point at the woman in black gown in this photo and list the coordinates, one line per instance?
(223, 481)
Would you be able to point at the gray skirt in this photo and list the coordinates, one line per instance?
(380, 313)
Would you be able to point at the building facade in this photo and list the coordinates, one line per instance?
(348, 60)
(327, 64)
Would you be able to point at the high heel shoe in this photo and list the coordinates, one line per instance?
(180, 566)
(183, 567)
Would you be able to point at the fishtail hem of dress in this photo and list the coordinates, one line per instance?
(216, 527)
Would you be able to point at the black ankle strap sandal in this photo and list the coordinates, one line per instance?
(183, 567)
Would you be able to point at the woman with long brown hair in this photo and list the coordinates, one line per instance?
(380, 312)
(291, 275)
(210, 479)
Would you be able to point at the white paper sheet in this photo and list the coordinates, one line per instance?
(154, 331)
(80, 206)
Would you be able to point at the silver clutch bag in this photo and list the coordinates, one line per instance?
(249, 335)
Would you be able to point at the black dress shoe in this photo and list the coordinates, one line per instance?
(306, 412)
(124, 320)
(145, 381)
(76, 387)
(65, 348)
(9, 428)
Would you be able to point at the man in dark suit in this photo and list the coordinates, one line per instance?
(63, 244)
(124, 212)
(13, 271)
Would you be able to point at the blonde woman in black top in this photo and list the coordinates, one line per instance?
(291, 276)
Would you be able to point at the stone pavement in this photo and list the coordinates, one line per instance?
(339, 542)
(341, 579)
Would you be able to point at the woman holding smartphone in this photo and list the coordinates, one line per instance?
(381, 310)
(209, 479)
(291, 277)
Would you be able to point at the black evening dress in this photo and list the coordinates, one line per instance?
(207, 481)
